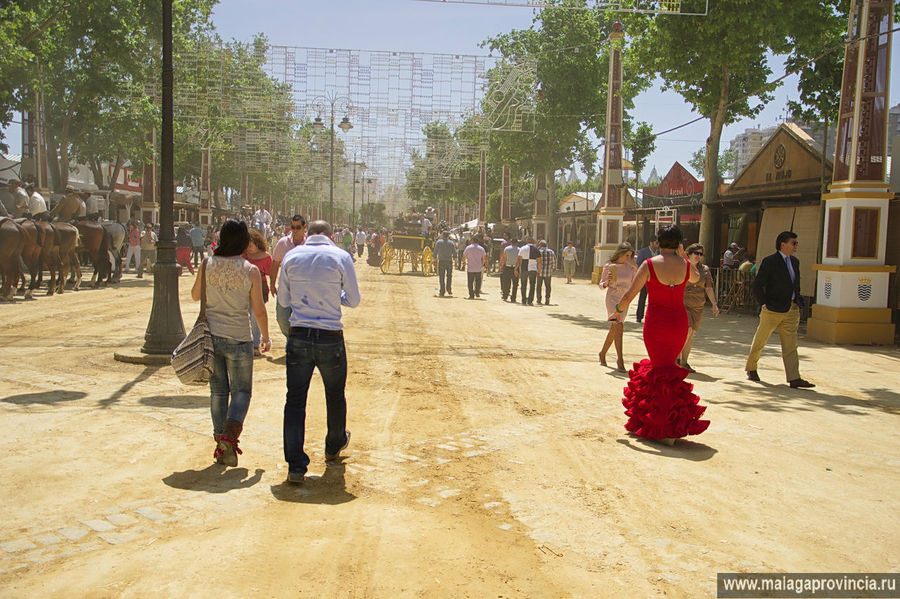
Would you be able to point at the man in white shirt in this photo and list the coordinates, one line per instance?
(476, 261)
(570, 261)
(527, 266)
(317, 278)
(261, 220)
(37, 205)
(360, 241)
(282, 247)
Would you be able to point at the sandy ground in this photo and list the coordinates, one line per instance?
(488, 459)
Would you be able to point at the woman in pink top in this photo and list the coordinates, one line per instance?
(257, 254)
(616, 279)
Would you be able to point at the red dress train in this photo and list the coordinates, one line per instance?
(658, 401)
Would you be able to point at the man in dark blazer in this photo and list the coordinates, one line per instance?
(777, 289)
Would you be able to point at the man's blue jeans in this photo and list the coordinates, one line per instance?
(308, 349)
(232, 374)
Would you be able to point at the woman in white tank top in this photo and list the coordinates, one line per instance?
(233, 288)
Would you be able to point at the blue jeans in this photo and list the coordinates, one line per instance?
(232, 374)
(308, 349)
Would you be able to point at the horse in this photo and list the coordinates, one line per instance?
(11, 245)
(94, 241)
(117, 237)
(67, 241)
(30, 259)
(48, 258)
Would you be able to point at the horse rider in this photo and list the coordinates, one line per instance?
(70, 207)
(37, 205)
(20, 205)
(91, 205)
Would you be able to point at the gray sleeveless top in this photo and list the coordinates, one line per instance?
(228, 297)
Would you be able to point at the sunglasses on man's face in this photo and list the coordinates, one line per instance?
(297, 227)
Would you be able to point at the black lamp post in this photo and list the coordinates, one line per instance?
(165, 330)
(345, 126)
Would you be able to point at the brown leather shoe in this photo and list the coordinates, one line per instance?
(800, 384)
(752, 376)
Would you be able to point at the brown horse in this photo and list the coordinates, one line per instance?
(95, 242)
(10, 256)
(67, 241)
(30, 262)
(49, 257)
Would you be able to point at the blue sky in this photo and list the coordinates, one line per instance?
(408, 25)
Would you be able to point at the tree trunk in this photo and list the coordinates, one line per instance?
(53, 160)
(709, 213)
(96, 171)
(552, 216)
(120, 159)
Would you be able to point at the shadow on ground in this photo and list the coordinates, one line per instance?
(185, 402)
(215, 478)
(328, 489)
(683, 449)
(44, 397)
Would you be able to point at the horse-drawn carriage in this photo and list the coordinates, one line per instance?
(404, 249)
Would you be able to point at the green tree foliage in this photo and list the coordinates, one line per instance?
(87, 61)
(724, 165)
(720, 63)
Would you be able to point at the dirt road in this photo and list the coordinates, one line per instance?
(488, 459)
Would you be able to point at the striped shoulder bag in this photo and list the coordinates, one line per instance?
(193, 358)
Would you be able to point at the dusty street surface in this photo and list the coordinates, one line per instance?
(488, 459)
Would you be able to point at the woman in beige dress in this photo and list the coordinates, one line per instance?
(616, 279)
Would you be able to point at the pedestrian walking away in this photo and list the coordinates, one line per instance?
(148, 250)
(777, 289)
(198, 237)
(642, 256)
(616, 277)
(444, 251)
(233, 287)
(527, 266)
(659, 403)
(509, 281)
(476, 261)
(317, 278)
(258, 255)
(545, 275)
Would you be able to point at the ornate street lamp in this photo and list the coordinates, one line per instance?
(345, 125)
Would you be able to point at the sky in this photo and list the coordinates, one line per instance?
(414, 26)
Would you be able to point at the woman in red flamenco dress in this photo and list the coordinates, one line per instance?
(659, 404)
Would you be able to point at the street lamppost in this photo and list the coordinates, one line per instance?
(345, 126)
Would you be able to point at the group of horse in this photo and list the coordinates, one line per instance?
(29, 247)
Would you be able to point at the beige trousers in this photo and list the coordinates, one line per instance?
(787, 324)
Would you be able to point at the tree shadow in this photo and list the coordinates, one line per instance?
(683, 449)
(44, 397)
(749, 396)
(581, 320)
(328, 489)
(186, 402)
(215, 478)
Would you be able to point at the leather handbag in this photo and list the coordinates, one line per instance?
(193, 358)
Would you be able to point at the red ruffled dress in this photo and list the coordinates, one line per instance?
(658, 401)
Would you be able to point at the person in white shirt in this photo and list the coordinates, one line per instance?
(527, 266)
(37, 205)
(360, 242)
(476, 261)
(570, 261)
